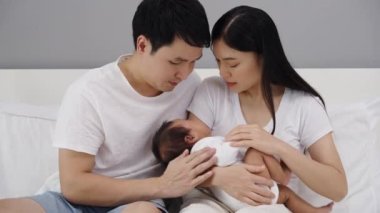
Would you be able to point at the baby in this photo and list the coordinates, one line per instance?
(173, 137)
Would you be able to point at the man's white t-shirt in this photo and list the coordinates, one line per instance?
(300, 119)
(103, 115)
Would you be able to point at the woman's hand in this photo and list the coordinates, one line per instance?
(255, 137)
(241, 182)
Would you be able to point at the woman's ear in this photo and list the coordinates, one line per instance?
(189, 139)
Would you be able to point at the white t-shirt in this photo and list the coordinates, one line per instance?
(227, 155)
(301, 118)
(103, 115)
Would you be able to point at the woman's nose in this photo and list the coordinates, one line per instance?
(224, 73)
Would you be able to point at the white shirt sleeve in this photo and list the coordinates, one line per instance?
(202, 104)
(78, 125)
(315, 122)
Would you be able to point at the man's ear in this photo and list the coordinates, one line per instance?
(189, 139)
(143, 44)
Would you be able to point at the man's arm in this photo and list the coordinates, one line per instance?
(80, 185)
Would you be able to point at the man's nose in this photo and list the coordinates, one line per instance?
(184, 71)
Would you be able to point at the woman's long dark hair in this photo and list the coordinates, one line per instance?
(249, 29)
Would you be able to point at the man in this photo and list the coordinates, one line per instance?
(109, 115)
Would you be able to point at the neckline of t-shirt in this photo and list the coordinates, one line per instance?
(240, 117)
(126, 82)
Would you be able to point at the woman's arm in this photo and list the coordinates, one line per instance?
(242, 182)
(230, 178)
(273, 169)
(277, 172)
(322, 171)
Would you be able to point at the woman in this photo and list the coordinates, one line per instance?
(262, 103)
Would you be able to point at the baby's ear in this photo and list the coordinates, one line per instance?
(189, 139)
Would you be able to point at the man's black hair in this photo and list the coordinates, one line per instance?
(161, 21)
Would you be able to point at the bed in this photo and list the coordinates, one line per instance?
(29, 101)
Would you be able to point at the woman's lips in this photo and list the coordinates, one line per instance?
(231, 84)
(173, 83)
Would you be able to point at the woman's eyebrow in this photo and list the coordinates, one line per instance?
(228, 59)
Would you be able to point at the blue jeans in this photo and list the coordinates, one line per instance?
(55, 202)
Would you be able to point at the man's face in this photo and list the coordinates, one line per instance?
(169, 65)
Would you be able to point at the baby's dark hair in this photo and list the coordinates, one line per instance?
(169, 142)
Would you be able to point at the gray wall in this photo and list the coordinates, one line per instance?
(90, 33)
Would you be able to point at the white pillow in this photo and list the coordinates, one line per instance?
(373, 108)
(27, 157)
(355, 138)
(29, 110)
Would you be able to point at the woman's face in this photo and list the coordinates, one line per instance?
(240, 70)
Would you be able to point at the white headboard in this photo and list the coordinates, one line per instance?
(47, 86)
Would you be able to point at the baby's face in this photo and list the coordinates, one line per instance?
(197, 129)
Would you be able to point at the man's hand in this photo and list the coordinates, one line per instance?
(241, 182)
(186, 172)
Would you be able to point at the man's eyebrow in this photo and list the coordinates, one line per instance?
(185, 60)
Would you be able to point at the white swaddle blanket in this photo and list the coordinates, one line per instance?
(227, 155)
